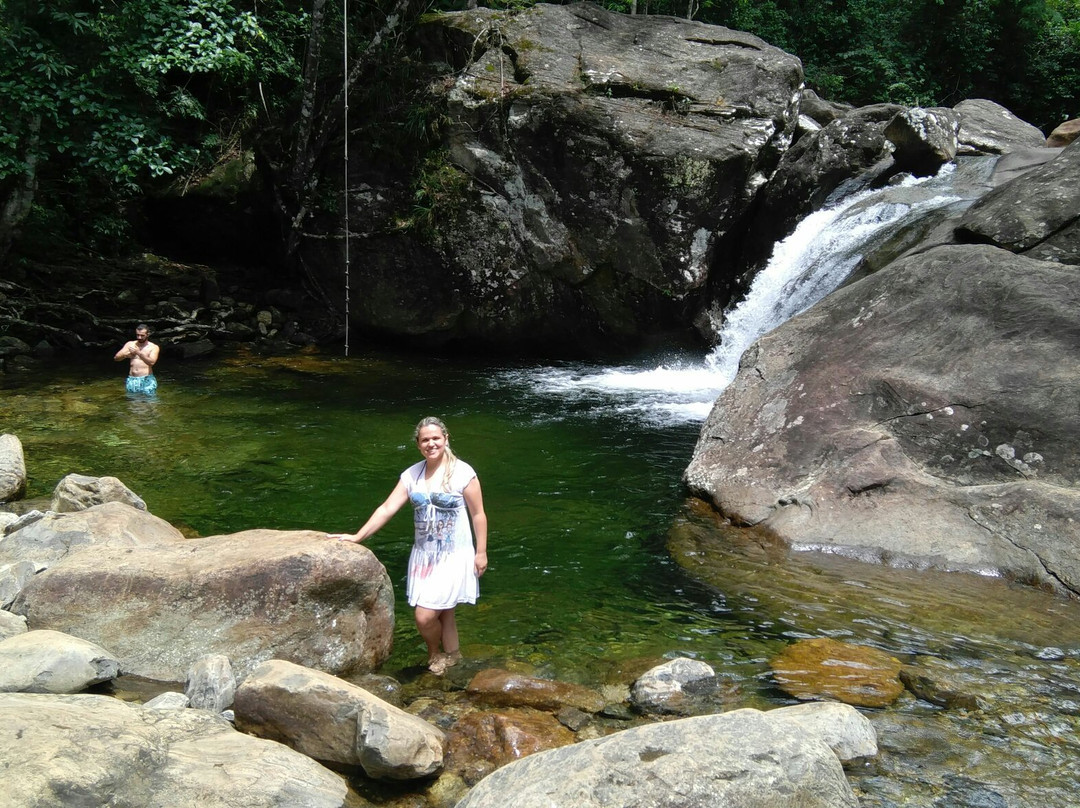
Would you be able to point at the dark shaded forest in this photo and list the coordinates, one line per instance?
(111, 105)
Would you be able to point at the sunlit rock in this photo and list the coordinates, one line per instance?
(77, 492)
(12, 468)
(170, 700)
(13, 578)
(986, 127)
(1034, 215)
(848, 732)
(112, 753)
(49, 537)
(919, 417)
(924, 139)
(211, 684)
(662, 689)
(52, 662)
(330, 719)
(11, 624)
(742, 757)
(1064, 134)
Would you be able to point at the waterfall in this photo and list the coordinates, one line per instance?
(819, 256)
(810, 263)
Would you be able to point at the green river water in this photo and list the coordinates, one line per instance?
(590, 546)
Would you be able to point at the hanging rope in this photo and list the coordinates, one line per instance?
(345, 184)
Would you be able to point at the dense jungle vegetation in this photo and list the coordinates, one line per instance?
(109, 102)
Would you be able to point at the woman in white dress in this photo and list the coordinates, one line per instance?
(444, 567)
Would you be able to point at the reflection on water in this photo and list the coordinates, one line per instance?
(590, 545)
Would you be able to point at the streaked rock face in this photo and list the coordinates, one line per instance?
(921, 416)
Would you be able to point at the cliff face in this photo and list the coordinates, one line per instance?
(594, 168)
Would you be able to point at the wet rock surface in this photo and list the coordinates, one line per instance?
(827, 669)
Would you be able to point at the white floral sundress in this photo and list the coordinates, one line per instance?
(441, 564)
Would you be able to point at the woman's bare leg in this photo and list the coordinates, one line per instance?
(430, 625)
(449, 633)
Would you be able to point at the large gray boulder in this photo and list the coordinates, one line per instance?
(96, 750)
(924, 139)
(744, 757)
(594, 161)
(52, 662)
(986, 127)
(330, 719)
(12, 468)
(1037, 214)
(252, 596)
(46, 540)
(925, 415)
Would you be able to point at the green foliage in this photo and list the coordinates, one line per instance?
(1020, 53)
(112, 98)
(439, 192)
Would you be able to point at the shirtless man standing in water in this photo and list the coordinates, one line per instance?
(143, 355)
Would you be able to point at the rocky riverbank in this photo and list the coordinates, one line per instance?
(263, 649)
(48, 309)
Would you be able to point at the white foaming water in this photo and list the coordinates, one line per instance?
(806, 266)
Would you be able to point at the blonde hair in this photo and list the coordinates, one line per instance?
(451, 458)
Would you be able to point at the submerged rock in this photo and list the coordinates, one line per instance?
(825, 668)
(481, 742)
(943, 683)
(503, 688)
